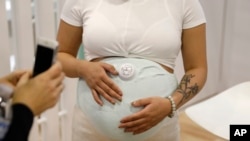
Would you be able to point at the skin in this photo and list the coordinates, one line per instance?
(12, 79)
(95, 73)
(39, 93)
(195, 65)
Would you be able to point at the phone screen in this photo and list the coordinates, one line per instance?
(44, 59)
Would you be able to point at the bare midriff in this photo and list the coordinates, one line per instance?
(101, 58)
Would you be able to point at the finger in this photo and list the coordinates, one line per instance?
(141, 129)
(24, 79)
(60, 89)
(137, 128)
(132, 124)
(54, 71)
(59, 80)
(111, 85)
(141, 102)
(134, 117)
(15, 76)
(57, 92)
(96, 97)
(110, 91)
(54, 83)
(18, 73)
(105, 95)
(110, 68)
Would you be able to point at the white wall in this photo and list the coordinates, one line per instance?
(4, 41)
(236, 49)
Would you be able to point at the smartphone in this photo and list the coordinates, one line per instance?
(45, 55)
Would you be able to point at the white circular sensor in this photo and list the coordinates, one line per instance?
(126, 71)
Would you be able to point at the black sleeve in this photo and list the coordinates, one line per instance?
(21, 123)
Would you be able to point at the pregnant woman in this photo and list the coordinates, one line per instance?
(127, 90)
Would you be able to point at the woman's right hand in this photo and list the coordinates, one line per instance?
(96, 76)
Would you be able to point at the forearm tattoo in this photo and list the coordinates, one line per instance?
(186, 89)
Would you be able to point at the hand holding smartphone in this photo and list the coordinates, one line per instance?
(45, 55)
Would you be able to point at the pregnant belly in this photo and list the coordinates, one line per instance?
(138, 78)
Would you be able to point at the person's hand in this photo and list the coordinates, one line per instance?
(41, 92)
(100, 83)
(155, 110)
(12, 79)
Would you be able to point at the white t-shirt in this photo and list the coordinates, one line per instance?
(149, 29)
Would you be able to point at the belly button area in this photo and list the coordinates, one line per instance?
(126, 71)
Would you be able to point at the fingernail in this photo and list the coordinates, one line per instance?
(120, 99)
(120, 93)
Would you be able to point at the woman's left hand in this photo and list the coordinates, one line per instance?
(155, 110)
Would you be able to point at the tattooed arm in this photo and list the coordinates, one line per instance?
(195, 64)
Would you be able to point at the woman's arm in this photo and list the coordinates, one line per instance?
(70, 39)
(94, 73)
(195, 64)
